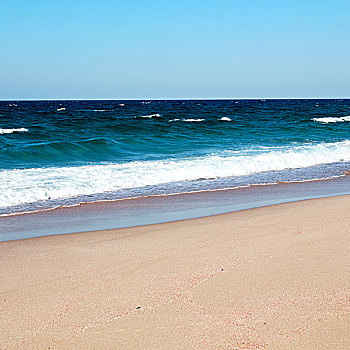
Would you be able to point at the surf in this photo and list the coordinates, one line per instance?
(20, 186)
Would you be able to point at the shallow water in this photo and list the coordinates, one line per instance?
(153, 210)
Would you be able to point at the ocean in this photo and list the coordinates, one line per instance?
(63, 153)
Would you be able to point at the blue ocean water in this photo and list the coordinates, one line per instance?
(55, 153)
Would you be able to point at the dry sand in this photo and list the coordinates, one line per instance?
(268, 278)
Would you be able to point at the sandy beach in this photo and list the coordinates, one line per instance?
(276, 277)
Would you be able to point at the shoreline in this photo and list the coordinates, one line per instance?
(269, 206)
(274, 277)
(59, 207)
(115, 214)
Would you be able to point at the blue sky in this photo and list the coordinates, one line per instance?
(174, 49)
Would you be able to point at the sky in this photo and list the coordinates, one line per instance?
(153, 49)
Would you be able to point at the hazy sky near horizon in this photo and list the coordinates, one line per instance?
(174, 49)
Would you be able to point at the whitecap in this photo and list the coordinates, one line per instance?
(156, 115)
(193, 120)
(11, 131)
(326, 120)
(226, 119)
(60, 109)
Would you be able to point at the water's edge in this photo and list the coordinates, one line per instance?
(153, 210)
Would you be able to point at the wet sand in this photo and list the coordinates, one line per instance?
(276, 277)
(105, 215)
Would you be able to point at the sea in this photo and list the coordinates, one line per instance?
(64, 153)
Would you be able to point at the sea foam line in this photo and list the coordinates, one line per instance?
(172, 194)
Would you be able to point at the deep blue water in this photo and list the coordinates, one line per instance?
(65, 152)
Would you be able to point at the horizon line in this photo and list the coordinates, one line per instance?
(177, 98)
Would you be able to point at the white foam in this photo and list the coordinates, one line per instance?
(60, 109)
(326, 120)
(186, 120)
(10, 131)
(193, 120)
(226, 119)
(21, 186)
(156, 115)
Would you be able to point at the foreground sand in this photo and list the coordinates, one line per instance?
(269, 278)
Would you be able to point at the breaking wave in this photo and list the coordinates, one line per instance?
(326, 120)
(193, 120)
(190, 120)
(11, 131)
(155, 115)
(22, 186)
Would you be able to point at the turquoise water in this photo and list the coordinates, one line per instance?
(55, 153)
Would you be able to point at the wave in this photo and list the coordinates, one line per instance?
(11, 131)
(156, 115)
(62, 151)
(93, 110)
(193, 120)
(187, 120)
(326, 120)
(23, 186)
(225, 119)
(60, 109)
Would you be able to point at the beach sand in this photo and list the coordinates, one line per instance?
(276, 277)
